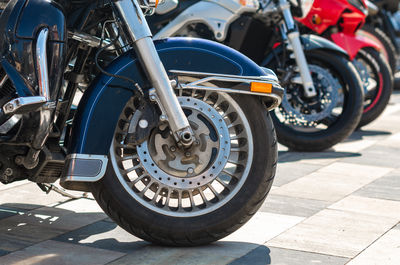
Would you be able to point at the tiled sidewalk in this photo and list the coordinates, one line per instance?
(337, 207)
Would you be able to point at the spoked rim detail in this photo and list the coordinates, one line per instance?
(184, 183)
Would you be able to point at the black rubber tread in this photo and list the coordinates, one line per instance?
(387, 44)
(388, 83)
(199, 230)
(347, 122)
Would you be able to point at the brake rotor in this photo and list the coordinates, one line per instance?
(300, 111)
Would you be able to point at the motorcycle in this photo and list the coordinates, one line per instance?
(322, 104)
(380, 27)
(339, 21)
(172, 137)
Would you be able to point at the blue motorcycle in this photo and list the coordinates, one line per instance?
(172, 137)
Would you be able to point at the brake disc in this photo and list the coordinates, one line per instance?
(299, 111)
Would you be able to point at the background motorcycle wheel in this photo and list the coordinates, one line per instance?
(377, 69)
(241, 190)
(335, 127)
(389, 52)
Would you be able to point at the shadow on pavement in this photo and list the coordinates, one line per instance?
(291, 156)
(30, 230)
(360, 134)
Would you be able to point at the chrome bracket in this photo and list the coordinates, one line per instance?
(32, 103)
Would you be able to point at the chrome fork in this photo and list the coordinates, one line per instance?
(294, 40)
(139, 32)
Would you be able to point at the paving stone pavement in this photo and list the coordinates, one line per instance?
(341, 206)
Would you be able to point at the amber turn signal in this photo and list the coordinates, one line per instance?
(261, 87)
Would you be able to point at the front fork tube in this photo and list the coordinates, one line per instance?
(139, 31)
(293, 36)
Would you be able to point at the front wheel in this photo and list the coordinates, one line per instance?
(377, 82)
(318, 123)
(171, 196)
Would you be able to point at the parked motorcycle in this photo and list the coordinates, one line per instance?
(339, 21)
(322, 103)
(379, 27)
(171, 137)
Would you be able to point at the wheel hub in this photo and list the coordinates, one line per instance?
(193, 167)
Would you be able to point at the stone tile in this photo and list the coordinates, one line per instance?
(369, 135)
(219, 253)
(390, 123)
(331, 183)
(258, 256)
(393, 140)
(31, 227)
(81, 206)
(14, 184)
(320, 158)
(28, 197)
(11, 242)
(386, 250)
(260, 228)
(105, 235)
(378, 155)
(56, 218)
(7, 212)
(53, 252)
(334, 232)
(354, 170)
(386, 187)
(289, 171)
(292, 206)
(279, 256)
(353, 145)
(263, 227)
(363, 205)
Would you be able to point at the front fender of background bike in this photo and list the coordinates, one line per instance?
(310, 42)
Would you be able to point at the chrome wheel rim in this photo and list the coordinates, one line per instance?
(170, 182)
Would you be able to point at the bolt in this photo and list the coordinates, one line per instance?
(190, 170)
(173, 83)
(143, 124)
(8, 172)
(18, 160)
(9, 107)
(163, 118)
(187, 154)
(173, 149)
(197, 142)
(153, 98)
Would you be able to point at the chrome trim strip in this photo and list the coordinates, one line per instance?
(84, 168)
(215, 76)
(277, 99)
(41, 62)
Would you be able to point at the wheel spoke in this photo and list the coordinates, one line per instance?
(214, 191)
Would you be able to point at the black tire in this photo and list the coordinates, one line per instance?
(202, 229)
(377, 100)
(346, 122)
(390, 53)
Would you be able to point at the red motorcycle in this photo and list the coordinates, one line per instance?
(339, 21)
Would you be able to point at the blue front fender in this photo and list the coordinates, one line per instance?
(102, 103)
